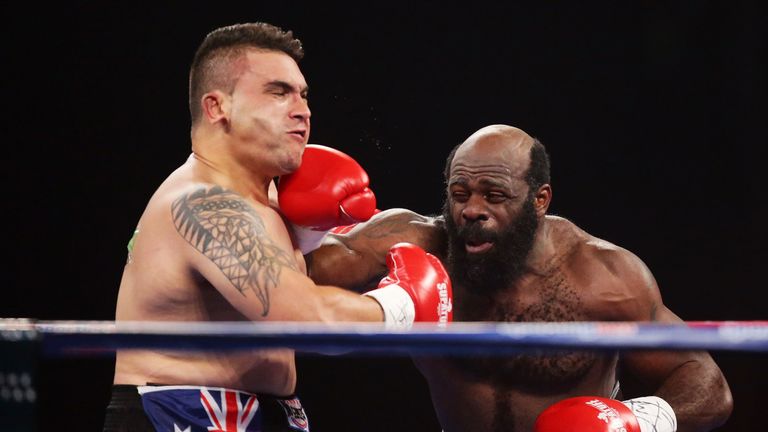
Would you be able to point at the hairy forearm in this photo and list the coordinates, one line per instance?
(699, 394)
(335, 264)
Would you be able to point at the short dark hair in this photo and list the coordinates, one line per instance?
(225, 44)
(538, 170)
(449, 161)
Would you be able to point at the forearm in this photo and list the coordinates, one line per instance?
(340, 305)
(699, 395)
(335, 264)
(336, 305)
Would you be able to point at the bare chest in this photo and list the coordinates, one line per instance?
(547, 297)
(550, 297)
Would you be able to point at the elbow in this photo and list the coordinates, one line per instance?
(726, 402)
(720, 402)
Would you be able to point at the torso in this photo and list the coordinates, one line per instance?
(174, 291)
(497, 393)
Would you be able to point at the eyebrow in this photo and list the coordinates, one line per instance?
(285, 86)
(463, 181)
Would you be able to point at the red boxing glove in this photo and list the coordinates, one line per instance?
(587, 414)
(329, 189)
(417, 288)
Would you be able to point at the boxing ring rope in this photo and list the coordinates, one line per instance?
(24, 342)
(93, 338)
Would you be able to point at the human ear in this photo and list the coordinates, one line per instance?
(215, 106)
(542, 199)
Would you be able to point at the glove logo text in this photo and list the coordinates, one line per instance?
(444, 307)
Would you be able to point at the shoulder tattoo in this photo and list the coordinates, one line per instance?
(225, 228)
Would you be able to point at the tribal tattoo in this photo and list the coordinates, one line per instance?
(225, 228)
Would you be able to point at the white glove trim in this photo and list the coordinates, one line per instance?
(399, 311)
(308, 239)
(653, 414)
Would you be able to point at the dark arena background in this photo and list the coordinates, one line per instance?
(653, 114)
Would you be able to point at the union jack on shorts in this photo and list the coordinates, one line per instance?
(200, 409)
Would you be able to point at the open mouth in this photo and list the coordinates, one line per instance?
(301, 134)
(477, 246)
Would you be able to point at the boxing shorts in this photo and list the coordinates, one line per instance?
(200, 409)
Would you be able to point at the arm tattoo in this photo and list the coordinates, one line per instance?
(226, 229)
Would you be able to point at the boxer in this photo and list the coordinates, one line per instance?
(213, 245)
(510, 261)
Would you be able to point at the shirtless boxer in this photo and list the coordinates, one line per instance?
(212, 245)
(509, 261)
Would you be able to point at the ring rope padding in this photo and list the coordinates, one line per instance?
(67, 338)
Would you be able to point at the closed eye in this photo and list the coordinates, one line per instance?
(495, 197)
(282, 88)
(459, 196)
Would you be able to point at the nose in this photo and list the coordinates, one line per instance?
(300, 109)
(475, 210)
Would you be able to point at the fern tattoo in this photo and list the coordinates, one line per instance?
(226, 229)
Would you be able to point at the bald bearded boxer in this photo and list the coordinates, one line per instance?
(512, 262)
(213, 245)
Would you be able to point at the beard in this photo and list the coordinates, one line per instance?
(503, 264)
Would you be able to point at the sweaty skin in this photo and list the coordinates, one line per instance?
(569, 275)
(211, 244)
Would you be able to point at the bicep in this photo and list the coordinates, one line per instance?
(690, 381)
(657, 368)
(239, 251)
(255, 281)
(654, 366)
(633, 294)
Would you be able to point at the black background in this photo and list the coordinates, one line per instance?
(653, 114)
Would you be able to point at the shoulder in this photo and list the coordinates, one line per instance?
(201, 197)
(617, 278)
(589, 249)
(185, 187)
(195, 210)
(620, 262)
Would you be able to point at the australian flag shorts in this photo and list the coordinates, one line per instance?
(201, 409)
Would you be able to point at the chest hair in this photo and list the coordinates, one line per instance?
(546, 297)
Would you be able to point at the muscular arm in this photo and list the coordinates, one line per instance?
(235, 248)
(689, 381)
(356, 260)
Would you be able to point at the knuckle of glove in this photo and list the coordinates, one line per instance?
(587, 413)
(359, 207)
(329, 189)
(424, 277)
(404, 256)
